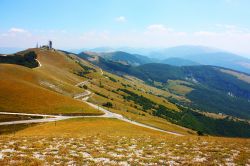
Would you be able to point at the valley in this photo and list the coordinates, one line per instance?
(96, 116)
(124, 83)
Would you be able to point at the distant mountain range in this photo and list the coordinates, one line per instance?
(214, 89)
(126, 58)
(205, 56)
(177, 56)
(9, 50)
(181, 51)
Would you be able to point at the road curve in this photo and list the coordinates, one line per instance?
(45, 118)
(108, 114)
(39, 64)
(83, 97)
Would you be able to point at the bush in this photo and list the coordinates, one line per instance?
(108, 104)
(85, 86)
(200, 133)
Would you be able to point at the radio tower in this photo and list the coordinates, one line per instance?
(50, 44)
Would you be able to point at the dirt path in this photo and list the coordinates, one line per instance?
(39, 64)
(45, 118)
(109, 114)
(82, 83)
(83, 97)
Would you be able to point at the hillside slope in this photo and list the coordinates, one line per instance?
(126, 58)
(186, 87)
(179, 62)
(47, 89)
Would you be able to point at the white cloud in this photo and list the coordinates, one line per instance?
(17, 30)
(121, 19)
(227, 37)
(231, 29)
(205, 33)
(159, 28)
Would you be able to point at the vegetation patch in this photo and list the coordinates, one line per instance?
(27, 59)
(191, 119)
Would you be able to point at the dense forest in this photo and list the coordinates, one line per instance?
(191, 119)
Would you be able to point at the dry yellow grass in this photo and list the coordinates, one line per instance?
(103, 141)
(20, 92)
(87, 127)
(113, 142)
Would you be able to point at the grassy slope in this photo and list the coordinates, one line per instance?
(130, 109)
(58, 69)
(21, 90)
(87, 126)
(185, 93)
(129, 141)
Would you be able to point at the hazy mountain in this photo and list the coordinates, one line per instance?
(77, 51)
(131, 50)
(123, 57)
(222, 59)
(9, 50)
(205, 56)
(97, 50)
(181, 51)
(25, 58)
(179, 62)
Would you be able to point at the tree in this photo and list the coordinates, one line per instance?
(108, 104)
(200, 133)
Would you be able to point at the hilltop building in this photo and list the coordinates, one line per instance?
(50, 44)
(48, 47)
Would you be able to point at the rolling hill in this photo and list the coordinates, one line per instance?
(179, 62)
(204, 56)
(196, 90)
(158, 95)
(122, 57)
(47, 89)
(211, 87)
(181, 51)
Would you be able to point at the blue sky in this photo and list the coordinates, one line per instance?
(223, 24)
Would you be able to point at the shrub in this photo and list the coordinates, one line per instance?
(108, 104)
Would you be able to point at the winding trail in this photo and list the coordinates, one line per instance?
(108, 114)
(82, 97)
(101, 72)
(39, 64)
(82, 83)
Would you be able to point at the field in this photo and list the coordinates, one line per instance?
(20, 96)
(96, 141)
(42, 90)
